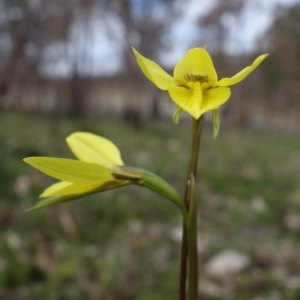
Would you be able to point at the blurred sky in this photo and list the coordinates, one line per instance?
(244, 29)
(98, 52)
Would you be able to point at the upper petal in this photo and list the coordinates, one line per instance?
(70, 170)
(242, 74)
(154, 72)
(197, 62)
(92, 148)
(187, 98)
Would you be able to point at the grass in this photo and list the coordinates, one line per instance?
(121, 244)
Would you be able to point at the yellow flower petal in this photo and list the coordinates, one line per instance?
(187, 98)
(92, 148)
(154, 72)
(54, 188)
(213, 98)
(216, 122)
(53, 201)
(197, 62)
(67, 189)
(70, 170)
(84, 192)
(242, 74)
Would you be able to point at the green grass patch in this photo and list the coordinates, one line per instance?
(120, 244)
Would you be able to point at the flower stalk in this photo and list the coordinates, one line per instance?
(192, 242)
(151, 181)
(188, 253)
(160, 186)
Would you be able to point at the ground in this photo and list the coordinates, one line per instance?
(124, 243)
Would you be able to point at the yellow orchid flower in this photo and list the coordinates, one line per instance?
(194, 86)
(99, 167)
(98, 160)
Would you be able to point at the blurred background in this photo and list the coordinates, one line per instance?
(67, 66)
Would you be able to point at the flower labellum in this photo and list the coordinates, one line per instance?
(194, 86)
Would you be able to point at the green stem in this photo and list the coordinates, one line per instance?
(192, 243)
(192, 172)
(160, 186)
(183, 264)
(147, 179)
